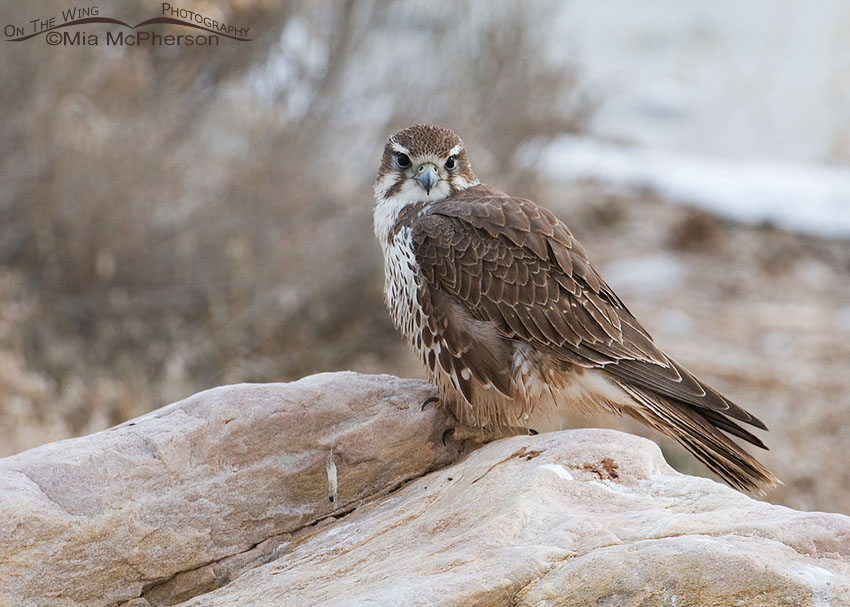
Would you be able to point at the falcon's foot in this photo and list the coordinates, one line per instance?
(484, 435)
(428, 401)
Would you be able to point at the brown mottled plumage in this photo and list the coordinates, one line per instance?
(513, 322)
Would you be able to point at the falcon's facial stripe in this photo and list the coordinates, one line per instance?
(397, 147)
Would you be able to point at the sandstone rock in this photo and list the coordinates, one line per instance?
(581, 517)
(208, 486)
(222, 500)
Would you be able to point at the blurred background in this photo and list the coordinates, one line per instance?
(177, 218)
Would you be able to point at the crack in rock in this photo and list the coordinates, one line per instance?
(210, 576)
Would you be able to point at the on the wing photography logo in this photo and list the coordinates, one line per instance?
(65, 29)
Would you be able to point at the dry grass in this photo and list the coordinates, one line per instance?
(175, 221)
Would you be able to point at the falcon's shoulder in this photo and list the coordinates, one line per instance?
(512, 262)
(497, 252)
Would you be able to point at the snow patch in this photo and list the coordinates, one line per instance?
(808, 198)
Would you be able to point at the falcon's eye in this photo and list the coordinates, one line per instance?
(451, 163)
(403, 160)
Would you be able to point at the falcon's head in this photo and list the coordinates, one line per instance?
(423, 163)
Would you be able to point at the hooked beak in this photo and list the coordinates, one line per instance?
(427, 176)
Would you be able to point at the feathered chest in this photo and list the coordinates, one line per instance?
(401, 286)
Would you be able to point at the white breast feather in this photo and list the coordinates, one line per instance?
(400, 286)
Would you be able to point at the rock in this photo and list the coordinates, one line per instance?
(222, 500)
(581, 517)
(178, 501)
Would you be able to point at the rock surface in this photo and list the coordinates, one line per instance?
(179, 501)
(222, 499)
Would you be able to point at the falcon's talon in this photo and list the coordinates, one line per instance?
(428, 401)
(532, 432)
(447, 434)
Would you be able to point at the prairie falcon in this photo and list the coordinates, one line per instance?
(514, 324)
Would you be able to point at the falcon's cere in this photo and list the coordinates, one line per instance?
(513, 322)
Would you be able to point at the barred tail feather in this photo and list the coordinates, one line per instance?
(702, 436)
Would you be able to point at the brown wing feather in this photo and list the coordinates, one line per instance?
(508, 261)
